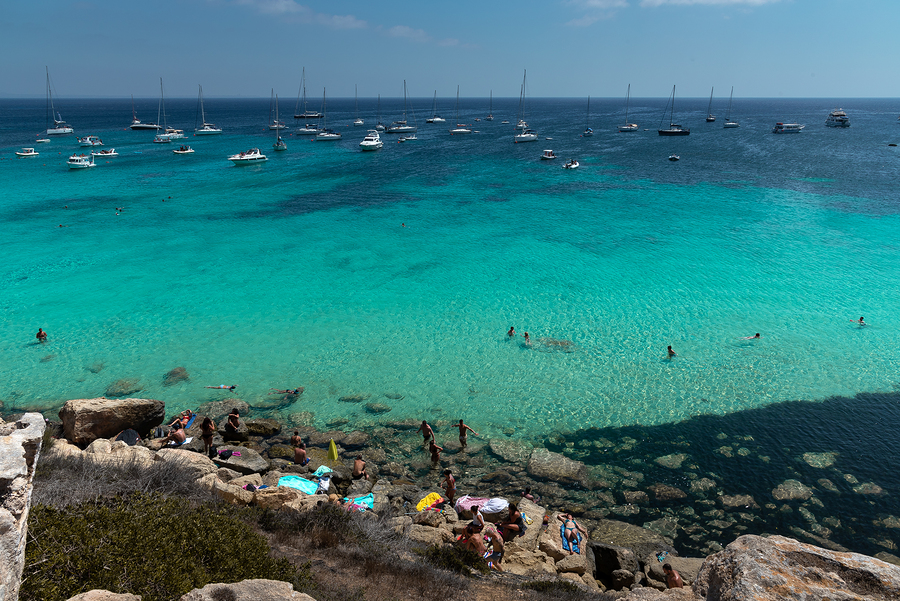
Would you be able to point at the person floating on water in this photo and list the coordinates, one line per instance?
(756, 337)
(41, 335)
(861, 322)
(671, 353)
(223, 387)
(512, 332)
(289, 391)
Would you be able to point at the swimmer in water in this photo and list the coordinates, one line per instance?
(527, 339)
(291, 392)
(756, 337)
(41, 335)
(670, 352)
(861, 321)
(223, 387)
(512, 332)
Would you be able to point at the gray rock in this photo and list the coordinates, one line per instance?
(124, 387)
(353, 398)
(673, 461)
(820, 460)
(738, 502)
(247, 590)
(642, 541)
(263, 427)
(85, 420)
(511, 451)
(553, 466)
(377, 408)
(248, 462)
(666, 526)
(101, 595)
(216, 410)
(703, 486)
(240, 434)
(636, 496)
(355, 440)
(792, 490)
(621, 579)
(359, 488)
(664, 492)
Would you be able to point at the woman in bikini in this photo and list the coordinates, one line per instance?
(570, 529)
(207, 428)
(513, 525)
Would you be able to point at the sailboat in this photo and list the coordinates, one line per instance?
(728, 122)
(274, 123)
(490, 116)
(357, 121)
(60, 127)
(526, 135)
(460, 128)
(165, 137)
(306, 114)
(379, 126)
(435, 118)
(402, 127)
(279, 143)
(136, 123)
(587, 130)
(709, 116)
(325, 134)
(628, 126)
(207, 128)
(674, 128)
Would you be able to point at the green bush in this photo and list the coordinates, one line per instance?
(455, 559)
(156, 547)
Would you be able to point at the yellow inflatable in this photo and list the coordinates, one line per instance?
(332, 451)
(429, 500)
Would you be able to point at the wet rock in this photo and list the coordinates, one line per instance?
(243, 460)
(553, 466)
(673, 461)
(820, 460)
(216, 410)
(355, 440)
(888, 558)
(262, 427)
(869, 489)
(377, 408)
(625, 510)
(641, 541)
(353, 398)
(175, 376)
(124, 387)
(667, 527)
(96, 367)
(636, 496)
(664, 492)
(498, 476)
(702, 486)
(738, 502)
(510, 451)
(301, 419)
(403, 424)
(725, 451)
(828, 485)
(280, 451)
(240, 434)
(792, 490)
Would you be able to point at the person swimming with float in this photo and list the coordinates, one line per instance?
(756, 337)
(861, 321)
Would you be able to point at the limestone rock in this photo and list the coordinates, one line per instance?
(738, 502)
(753, 568)
(651, 594)
(820, 460)
(247, 590)
(641, 541)
(575, 563)
(101, 595)
(199, 465)
(523, 562)
(792, 490)
(673, 461)
(216, 410)
(548, 465)
(428, 535)
(355, 440)
(621, 579)
(175, 376)
(359, 488)
(428, 518)
(510, 451)
(688, 567)
(550, 543)
(702, 486)
(263, 427)
(124, 387)
(85, 420)
(664, 492)
(239, 434)
(247, 462)
(275, 498)
(637, 497)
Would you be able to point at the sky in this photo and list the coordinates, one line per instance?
(570, 48)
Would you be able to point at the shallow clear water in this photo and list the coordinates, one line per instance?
(297, 272)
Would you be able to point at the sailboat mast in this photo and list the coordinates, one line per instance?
(627, 100)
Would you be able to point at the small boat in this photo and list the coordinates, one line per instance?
(26, 152)
(106, 152)
(460, 127)
(306, 114)
(308, 129)
(572, 164)
(166, 137)
(528, 135)
(710, 118)
(174, 134)
(674, 157)
(60, 127)
(207, 128)
(42, 141)
(435, 118)
(325, 134)
(90, 141)
(372, 141)
(729, 123)
(136, 123)
(674, 128)
(357, 121)
(276, 125)
(409, 138)
(837, 118)
(548, 155)
(80, 161)
(787, 128)
(402, 126)
(251, 156)
(379, 126)
(490, 116)
(504, 122)
(588, 131)
(628, 126)
(184, 150)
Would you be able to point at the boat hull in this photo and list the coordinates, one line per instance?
(628, 127)
(207, 132)
(674, 132)
(731, 124)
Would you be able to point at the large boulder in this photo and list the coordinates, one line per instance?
(101, 595)
(548, 465)
(243, 460)
(688, 567)
(263, 427)
(642, 541)
(248, 590)
(216, 410)
(196, 464)
(85, 420)
(753, 568)
(429, 536)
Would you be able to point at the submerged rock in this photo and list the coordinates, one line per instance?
(174, 376)
(124, 387)
(792, 490)
(96, 367)
(673, 461)
(820, 460)
(377, 408)
(353, 398)
(510, 450)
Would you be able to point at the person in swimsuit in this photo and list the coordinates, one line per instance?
(289, 391)
(527, 339)
(673, 578)
(435, 451)
(513, 525)
(295, 439)
(234, 421)
(670, 352)
(426, 431)
(207, 428)
(751, 337)
(300, 457)
(570, 529)
(359, 468)
(861, 321)
(476, 537)
(42, 335)
(449, 484)
(176, 435)
(223, 387)
(511, 333)
(463, 432)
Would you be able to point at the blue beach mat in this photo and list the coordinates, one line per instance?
(367, 501)
(570, 545)
(301, 484)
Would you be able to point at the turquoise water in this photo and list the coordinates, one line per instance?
(297, 272)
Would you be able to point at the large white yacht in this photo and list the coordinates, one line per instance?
(245, 158)
(837, 118)
(372, 141)
(787, 128)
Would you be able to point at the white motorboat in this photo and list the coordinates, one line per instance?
(106, 152)
(674, 129)
(90, 141)
(42, 141)
(206, 129)
(460, 127)
(372, 141)
(136, 123)
(628, 126)
(729, 123)
(435, 118)
(409, 138)
(161, 139)
(548, 155)
(80, 161)
(504, 122)
(674, 157)
(528, 135)
(710, 118)
(572, 164)
(26, 152)
(60, 127)
(837, 118)
(246, 158)
(306, 114)
(402, 126)
(588, 130)
(787, 128)
(325, 134)
(184, 150)
(308, 129)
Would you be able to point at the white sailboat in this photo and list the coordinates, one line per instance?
(588, 131)
(628, 126)
(60, 127)
(709, 116)
(136, 123)
(306, 114)
(357, 121)
(729, 123)
(526, 135)
(435, 118)
(379, 126)
(279, 144)
(205, 129)
(165, 137)
(274, 123)
(402, 126)
(325, 134)
(460, 127)
(674, 129)
(490, 116)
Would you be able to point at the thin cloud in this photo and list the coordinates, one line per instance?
(598, 4)
(654, 3)
(585, 21)
(595, 9)
(302, 13)
(403, 31)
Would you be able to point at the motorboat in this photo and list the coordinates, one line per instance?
(528, 135)
(42, 141)
(504, 122)
(184, 150)
(246, 158)
(90, 141)
(409, 138)
(26, 152)
(308, 129)
(80, 161)
(674, 129)
(548, 155)
(358, 122)
(136, 123)
(787, 128)
(106, 152)
(161, 139)
(402, 126)
(572, 164)
(837, 118)
(372, 141)
(674, 157)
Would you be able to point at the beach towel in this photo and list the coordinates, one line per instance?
(323, 470)
(172, 443)
(191, 421)
(361, 503)
(324, 484)
(428, 501)
(528, 521)
(466, 503)
(570, 545)
(301, 484)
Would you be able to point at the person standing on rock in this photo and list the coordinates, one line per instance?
(207, 429)
(435, 451)
(673, 578)
(427, 432)
(463, 432)
(449, 484)
(234, 421)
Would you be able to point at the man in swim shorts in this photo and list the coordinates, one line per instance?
(300, 457)
(476, 536)
(463, 432)
(359, 468)
(427, 432)
(41, 335)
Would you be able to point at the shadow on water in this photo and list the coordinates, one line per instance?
(844, 449)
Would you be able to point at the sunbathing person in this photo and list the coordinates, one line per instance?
(569, 533)
(176, 434)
